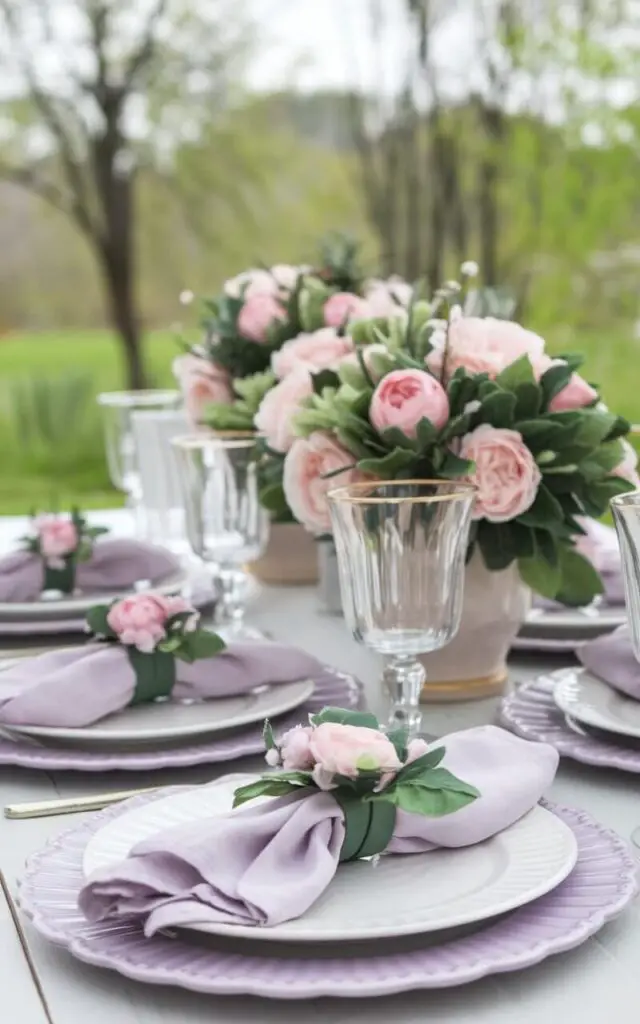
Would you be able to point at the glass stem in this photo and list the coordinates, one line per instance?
(230, 610)
(404, 678)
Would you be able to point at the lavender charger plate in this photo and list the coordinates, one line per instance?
(532, 713)
(332, 687)
(602, 883)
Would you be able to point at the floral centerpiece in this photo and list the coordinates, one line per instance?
(269, 325)
(61, 541)
(445, 395)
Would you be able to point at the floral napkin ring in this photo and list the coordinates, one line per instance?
(370, 774)
(61, 542)
(154, 630)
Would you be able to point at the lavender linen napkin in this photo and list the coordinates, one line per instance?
(74, 687)
(268, 864)
(115, 565)
(611, 658)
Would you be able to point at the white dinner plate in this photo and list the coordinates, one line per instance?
(593, 702)
(50, 609)
(386, 897)
(169, 721)
(580, 624)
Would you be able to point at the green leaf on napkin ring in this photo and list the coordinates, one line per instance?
(154, 630)
(61, 542)
(368, 825)
(369, 773)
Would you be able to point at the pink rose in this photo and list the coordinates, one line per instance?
(139, 621)
(342, 307)
(349, 749)
(485, 345)
(627, 467)
(404, 397)
(58, 537)
(278, 407)
(295, 749)
(201, 382)
(505, 473)
(323, 349)
(306, 464)
(257, 315)
(387, 298)
(250, 283)
(575, 395)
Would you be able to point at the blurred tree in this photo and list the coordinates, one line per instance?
(96, 90)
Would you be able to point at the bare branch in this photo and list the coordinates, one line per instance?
(145, 52)
(29, 179)
(47, 109)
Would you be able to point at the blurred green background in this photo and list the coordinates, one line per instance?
(245, 131)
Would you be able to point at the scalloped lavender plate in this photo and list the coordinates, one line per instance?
(333, 687)
(531, 712)
(600, 886)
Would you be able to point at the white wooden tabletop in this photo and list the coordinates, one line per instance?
(599, 979)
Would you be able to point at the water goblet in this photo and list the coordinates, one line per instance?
(626, 516)
(401, 549)
(225, 523)
(118, 409)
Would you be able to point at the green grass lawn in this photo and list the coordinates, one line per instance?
(65, 462)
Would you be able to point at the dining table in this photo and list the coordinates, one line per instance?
(43, 984)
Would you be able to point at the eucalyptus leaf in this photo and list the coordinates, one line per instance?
(343, 716)
(498, 409)
(416, 799)
(96, 619)
(263, 787)
(580, 582)
(389, 466)
(542, 577)
(518, 372)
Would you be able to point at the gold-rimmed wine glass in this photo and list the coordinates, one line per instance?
(401, 549)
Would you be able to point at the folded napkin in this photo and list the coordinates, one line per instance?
(266, 864)
(600, 546)
(74, 687)
(115, 565)
(611, 658)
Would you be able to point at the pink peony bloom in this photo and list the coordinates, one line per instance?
(58, 537)
(387, 298)
(350, 749)
(305, 485)
(295, 749)
(257, 315)
(201, 382)
(505, 473)
(342, 307)
(627, 467)
(575, 395)
(279, 406)
(404, 397)
(321, 350)
(250, 283)
(485, 345)
(140, 620)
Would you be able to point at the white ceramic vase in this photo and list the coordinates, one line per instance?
(290, 558)
(474, 664)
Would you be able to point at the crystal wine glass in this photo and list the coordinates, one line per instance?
(118, 408)
(401, 549)
(225, 523)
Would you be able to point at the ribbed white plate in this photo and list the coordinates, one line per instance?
(579, 624)
(48, 610)
(593, 702)
(175, 721)
(397, 895)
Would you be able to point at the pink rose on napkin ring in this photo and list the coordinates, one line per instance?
(370, 774)
(155, 630)
(61, 542)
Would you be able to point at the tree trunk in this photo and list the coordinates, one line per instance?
(118, 280)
